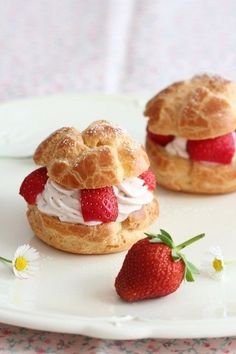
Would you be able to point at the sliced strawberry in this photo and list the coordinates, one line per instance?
(149, 179)
(99, 204)
(162, 140)
(33, 184)
(219, 150)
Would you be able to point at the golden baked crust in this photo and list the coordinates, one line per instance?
(102, 155)
(185, 175)
(200, 108)
(105, 238)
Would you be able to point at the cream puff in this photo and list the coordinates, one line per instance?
(191, 135)
(93, 193)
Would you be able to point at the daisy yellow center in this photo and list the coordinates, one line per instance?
(21, 263)
(217, 265)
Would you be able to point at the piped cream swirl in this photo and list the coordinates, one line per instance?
(132, 194)
(65, 204)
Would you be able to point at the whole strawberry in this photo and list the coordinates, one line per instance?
(154, 267)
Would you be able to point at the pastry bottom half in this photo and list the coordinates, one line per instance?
(100, 239)
(179, 174)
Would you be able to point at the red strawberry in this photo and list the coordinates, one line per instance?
(149, 179)
(33, 184)
(162, 140)
(220, 150)
(154, 267)
(99, 204)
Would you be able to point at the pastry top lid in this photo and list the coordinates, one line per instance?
(102, 155)
(200, 108)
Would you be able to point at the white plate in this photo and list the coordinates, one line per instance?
(75, 294)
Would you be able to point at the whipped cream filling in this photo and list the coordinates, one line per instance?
(131, 195)
(65, 204)
(178, 147)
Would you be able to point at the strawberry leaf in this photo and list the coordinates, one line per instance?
(188, 274)
(166, 240)
(152, 236)
(176, 257)
(190, 269)
(165, 233)
(160, 238)
(193, 268)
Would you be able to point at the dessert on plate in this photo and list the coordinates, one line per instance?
(191, 135)
(93, 193)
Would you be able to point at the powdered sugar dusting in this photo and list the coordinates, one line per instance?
(106, 130)
(101, 127)
(66, 141)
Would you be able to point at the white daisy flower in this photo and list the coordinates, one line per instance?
(213, 263)
(25, 262)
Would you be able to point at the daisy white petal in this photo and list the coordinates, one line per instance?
(213, 263)
(25, 262)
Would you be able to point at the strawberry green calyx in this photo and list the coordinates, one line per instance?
(165, 237)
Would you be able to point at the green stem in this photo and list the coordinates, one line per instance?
(189, 242)
(231, 261)
(5, 260)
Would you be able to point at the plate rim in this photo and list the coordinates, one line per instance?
(112, 328)
(120, 328)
